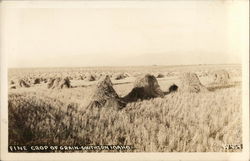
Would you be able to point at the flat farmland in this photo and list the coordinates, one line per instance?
(178, 122)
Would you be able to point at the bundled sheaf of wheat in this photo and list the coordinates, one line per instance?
(145, 87)
(104, 95)
(221, 77)
(190, 82)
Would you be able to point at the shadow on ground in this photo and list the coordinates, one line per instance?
(213, 87)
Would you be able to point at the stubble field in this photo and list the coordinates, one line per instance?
(178, 122)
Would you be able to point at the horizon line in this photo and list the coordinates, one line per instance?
(105, 66)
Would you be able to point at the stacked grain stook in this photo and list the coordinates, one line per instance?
(23, 83)
(37, 80)
(59, 83)
(121, 76)
(160, 75)
(104, 95)
(190, 83)
(90, 77)
(221, 77)
(145, 87)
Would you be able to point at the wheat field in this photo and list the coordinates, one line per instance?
(178, 122)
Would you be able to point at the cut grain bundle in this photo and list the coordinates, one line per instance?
(202, 73)
(51, 82)
(23, 83)
(160, 76)
(190, 83)
(104, 95)
(45, 80)
(59, 83)
(173, 88)
(90, 77)
(81, 77)
(12, 82)
(121, 76)
(12, 87)
(37, 81)
(221, 77)
(145, 87)
(98, 76)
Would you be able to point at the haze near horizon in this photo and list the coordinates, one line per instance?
(174, 33)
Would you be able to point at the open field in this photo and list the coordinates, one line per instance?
(178, 122)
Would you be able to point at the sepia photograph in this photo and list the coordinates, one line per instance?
(131, 77)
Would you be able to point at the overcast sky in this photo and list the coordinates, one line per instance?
(171, 33)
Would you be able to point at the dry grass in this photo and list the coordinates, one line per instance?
(179, 122)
